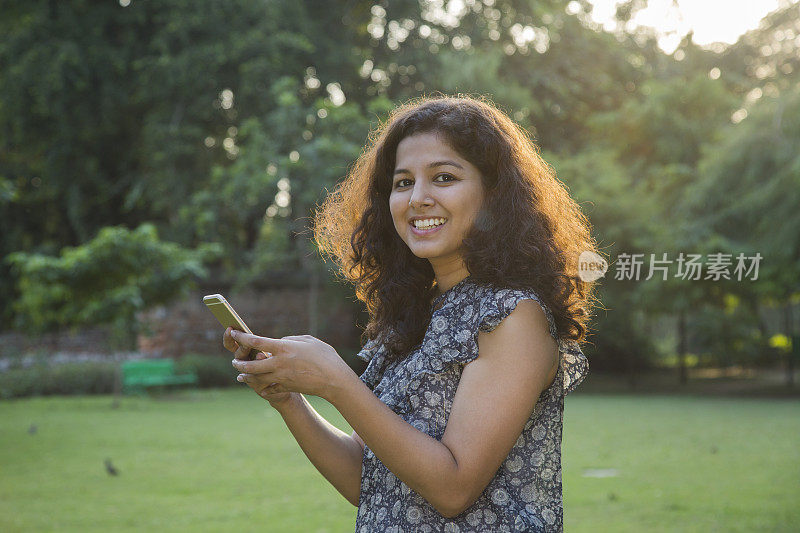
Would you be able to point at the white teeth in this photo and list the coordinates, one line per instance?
(429, 223)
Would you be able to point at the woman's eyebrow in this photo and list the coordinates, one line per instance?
(432, 165)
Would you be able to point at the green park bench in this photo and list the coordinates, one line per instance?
(143, 374)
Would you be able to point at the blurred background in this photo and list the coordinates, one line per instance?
(154, 152)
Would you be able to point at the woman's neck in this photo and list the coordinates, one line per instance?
(447, 278)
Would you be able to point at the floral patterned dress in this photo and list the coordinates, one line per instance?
(525, 493)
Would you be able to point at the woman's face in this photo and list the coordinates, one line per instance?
(436, 195)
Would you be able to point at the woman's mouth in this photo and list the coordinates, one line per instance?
(426, 226)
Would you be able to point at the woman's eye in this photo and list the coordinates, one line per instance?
(405, 182)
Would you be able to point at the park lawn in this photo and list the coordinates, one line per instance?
(223, 461)
(688, 464)
(218, 460)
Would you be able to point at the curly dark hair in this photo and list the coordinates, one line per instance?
(525, 204)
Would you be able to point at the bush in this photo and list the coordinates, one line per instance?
(99, 377)
(67, 378)
(211, 370)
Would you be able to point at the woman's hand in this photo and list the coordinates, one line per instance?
(302, 364)
(242, 352)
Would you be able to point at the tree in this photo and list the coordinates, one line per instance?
(757, 165)
(108, 280)
(107, 110)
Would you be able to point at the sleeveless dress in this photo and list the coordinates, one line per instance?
(525, 493)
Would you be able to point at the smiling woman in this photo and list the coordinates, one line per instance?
(434, 205)
(464, 248)
(503, 192)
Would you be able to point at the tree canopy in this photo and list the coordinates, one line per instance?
(203, 134)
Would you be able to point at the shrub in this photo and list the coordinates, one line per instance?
(67, 378)
(211, 370)
(99, 377)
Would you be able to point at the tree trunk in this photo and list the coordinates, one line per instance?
(752, 303)
(313, 302)
(310, 267)
(683, 374)
(789, 329)
(631, 359)
(631, 370)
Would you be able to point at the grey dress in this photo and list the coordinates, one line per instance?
(525, 493)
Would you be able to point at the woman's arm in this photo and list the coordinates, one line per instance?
(334, 453)
(494, 400)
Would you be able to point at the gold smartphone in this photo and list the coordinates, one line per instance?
(226, 315)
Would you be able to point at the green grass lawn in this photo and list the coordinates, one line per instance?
(684, 464)
(223, 461)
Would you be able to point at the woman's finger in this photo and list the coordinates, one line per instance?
(261, 384)
(258, 366)
(256, 381)
(228, 342)
(264, 344)
(242, 352)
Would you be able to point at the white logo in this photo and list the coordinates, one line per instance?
(591, 266)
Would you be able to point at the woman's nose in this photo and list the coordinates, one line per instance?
(420, 196)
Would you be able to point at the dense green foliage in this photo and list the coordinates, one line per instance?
(211, 370)
(107, 280)
(225, 123)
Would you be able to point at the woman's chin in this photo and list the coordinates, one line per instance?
(430, 253)
(425, 253)
(422, 255)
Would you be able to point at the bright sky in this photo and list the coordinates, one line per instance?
(711, 20)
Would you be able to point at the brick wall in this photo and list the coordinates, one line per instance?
(188, 327)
